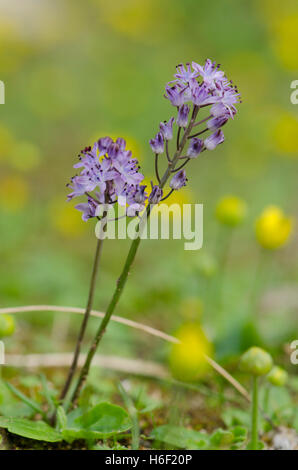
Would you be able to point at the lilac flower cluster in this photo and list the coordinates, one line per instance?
(200, 86)
(108, 175)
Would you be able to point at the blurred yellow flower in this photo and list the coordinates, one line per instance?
(187, 359)
(230, 210)
(14, 193)
(286, 134)
(273, 228)
(66, 219)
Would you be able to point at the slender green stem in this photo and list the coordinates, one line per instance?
(181, 166)
(82, 331)
(156, 168)
(254, 415)
(128, 263)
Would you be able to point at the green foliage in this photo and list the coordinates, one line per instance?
(10, 406)
(102, 421)
(38, 430)
(31, 403)
(184, 438)
(180, 437)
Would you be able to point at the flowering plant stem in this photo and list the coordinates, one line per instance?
(84, 323)
(128, 263)
(254, 416)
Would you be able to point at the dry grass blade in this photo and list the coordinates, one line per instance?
(139, 326)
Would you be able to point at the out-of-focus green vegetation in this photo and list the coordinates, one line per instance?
(75, 71)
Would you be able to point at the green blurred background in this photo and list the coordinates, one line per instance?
(75, 71)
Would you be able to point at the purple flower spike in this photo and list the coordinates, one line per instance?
(175, 94)
(182, 118)
(217, 122)
(214, 140)
(157, 144)
(195, 147)
(178, 180)
(155, 195)
(166, 129)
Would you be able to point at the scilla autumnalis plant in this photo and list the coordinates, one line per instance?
(109, 175)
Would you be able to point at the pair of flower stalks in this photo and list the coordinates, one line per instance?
(257, 362)
(110, 175)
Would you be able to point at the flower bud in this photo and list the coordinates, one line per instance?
(7, 325)
(182, 118)
(217, 122)
(156, 195)
(277, 376)
(166, 129)
(178, 180)
(157, 144)
(214, 140)
(256, 361)
(195, 147)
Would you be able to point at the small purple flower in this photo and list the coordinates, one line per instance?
(182, 118)
(175, 94)
(214, 140)
(201, 96)
(185, 74)
(78, 189)
(166, 129)
(155, 195)
(121, 142)
(210, 72)
(157, 144)
(114, 151)
(88, 208)
(140, 195)
(217, 122)
(195, 147)
(134, 197)
(103, 145)
(178, 180)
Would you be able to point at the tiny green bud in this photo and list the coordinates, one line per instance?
(256, 361)
(277, 376)
(7, 325)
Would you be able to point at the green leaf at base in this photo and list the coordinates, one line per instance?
(38, 430)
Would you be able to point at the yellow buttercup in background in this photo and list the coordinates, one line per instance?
(273, 228)
(187, 358)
